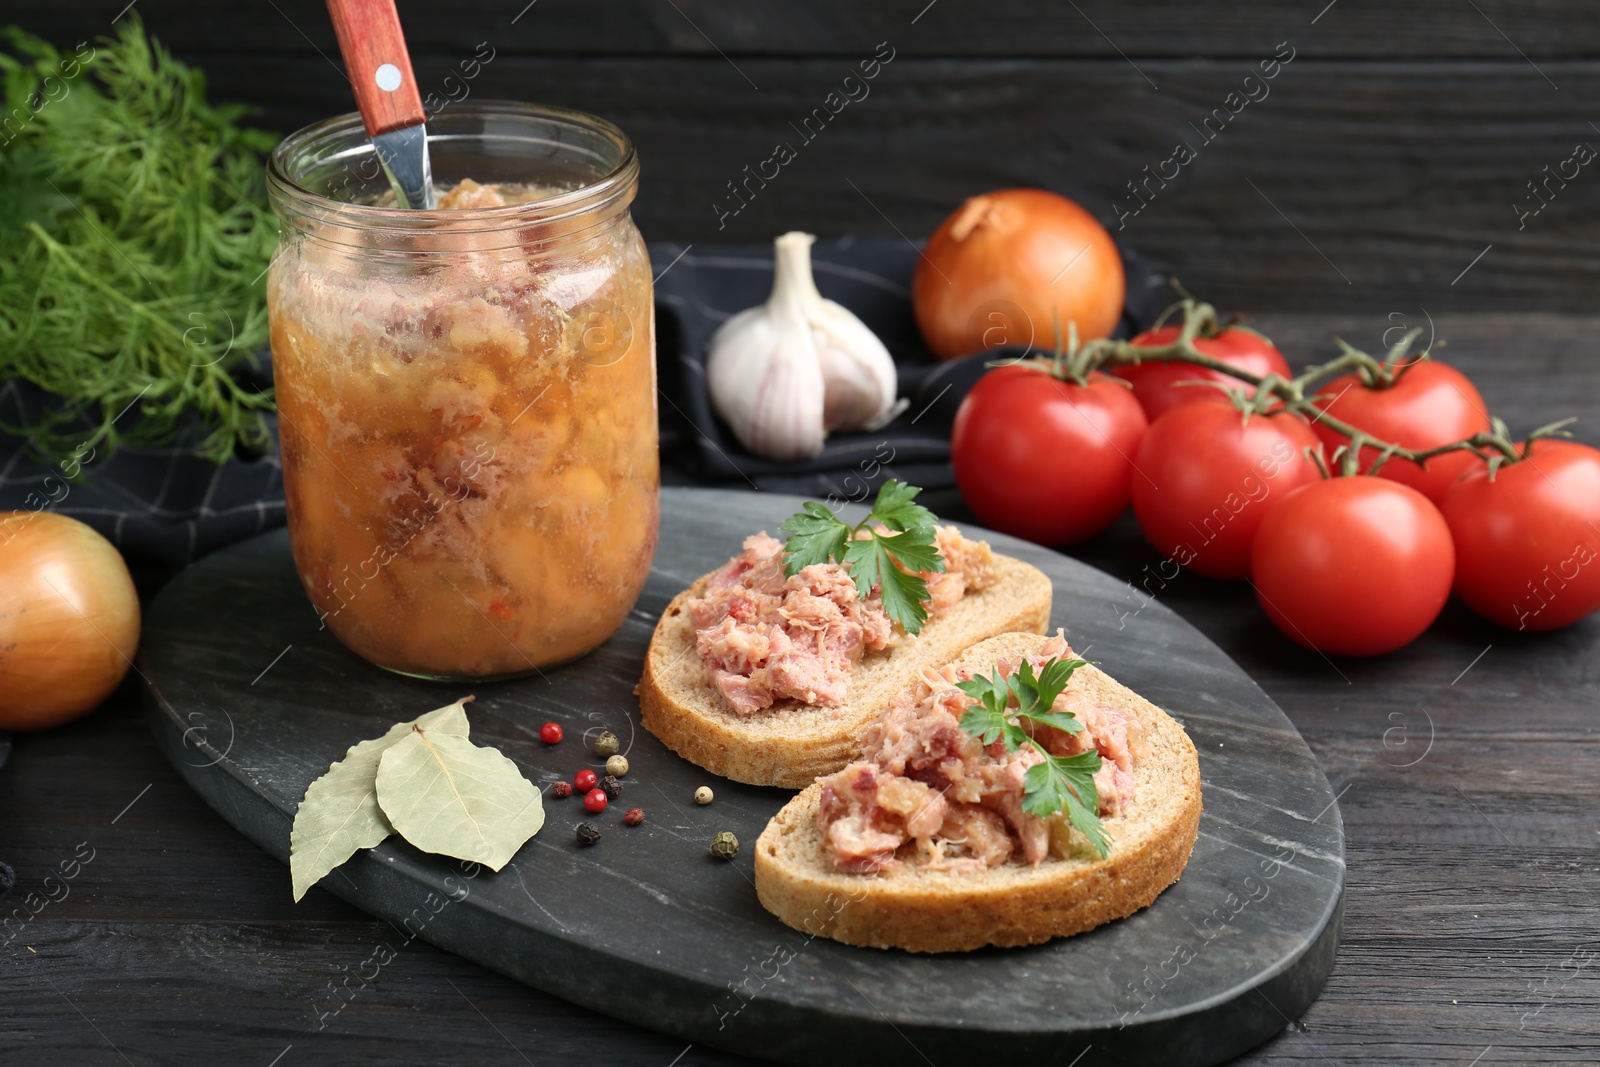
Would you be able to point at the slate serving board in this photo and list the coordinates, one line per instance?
(251, 702)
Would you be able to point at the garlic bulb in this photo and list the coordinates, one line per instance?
(765, 378)
(785, 373)
(858, 375)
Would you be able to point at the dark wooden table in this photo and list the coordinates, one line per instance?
(1466, 763)
(1387, 170)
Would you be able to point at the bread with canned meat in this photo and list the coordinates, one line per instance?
(846, 858)
(767, 678)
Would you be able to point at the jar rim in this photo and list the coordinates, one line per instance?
(347, 130)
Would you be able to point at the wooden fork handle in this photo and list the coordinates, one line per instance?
(378, 64)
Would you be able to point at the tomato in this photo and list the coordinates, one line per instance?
(1431, 404)
(1527, 542)
(1355, 566)
(1204, 478)
(1043, 458)
(1156, 383)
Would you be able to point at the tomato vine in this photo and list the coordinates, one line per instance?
(1076, 362)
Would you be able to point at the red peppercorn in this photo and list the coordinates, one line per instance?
(633, 817)
(585, 780)
(561, 790)
(550, 733)
(595, 800)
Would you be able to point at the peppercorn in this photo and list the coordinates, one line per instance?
(584, 780)
(606, 744)
(725, 846)
(611, 787)
(617, 765)
(561, 790)
(703, 795)
(587, 833)
(595, 800)
(550, 733)
(633, 816)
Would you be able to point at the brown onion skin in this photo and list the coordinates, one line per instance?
(1002, 254)
(69, 620)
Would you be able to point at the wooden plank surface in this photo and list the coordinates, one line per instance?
(1348, 182)
(1414, 29)
(1473, 913)
(1394, 149)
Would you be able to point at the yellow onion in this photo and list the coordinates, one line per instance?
(1005, 266)
(69, 619)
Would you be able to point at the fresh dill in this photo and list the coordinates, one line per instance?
(134, 242)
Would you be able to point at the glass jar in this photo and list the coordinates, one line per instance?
(466, 397)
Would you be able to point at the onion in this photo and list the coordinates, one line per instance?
(69, 619)
(997, 271)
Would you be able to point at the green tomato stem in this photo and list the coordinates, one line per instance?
(1198, 318)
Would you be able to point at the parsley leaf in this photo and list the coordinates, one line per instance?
(872, 563)
(1066, 783)
(987, 720)
(912, 554)
(817, 535)
(894, 508)
(1036, 695)
(891, 561)
(1059, 784)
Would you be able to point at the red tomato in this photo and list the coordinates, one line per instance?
(1355, 566)
(1528, 542)
(1156, 383)
(1431, 404)
(1043, 458)
(1204, 478)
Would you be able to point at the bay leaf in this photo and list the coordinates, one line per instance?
(340, 814)
(446, 795)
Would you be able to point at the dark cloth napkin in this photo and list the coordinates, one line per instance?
(160, 506)
(698, 287)
(164, 508)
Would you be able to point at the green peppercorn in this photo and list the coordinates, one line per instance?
(617, 766)
(703, 795)
(587, 833)
(725, 846)
(606, 744)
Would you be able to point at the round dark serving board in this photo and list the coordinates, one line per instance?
(251, 702)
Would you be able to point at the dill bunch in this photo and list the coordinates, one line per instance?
(134, 242)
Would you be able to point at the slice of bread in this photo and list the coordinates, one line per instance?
(1013, 904)
(790, 744)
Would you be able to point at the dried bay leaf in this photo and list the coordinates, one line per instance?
(446, 795)
(340, 813)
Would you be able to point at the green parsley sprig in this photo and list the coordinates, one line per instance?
(817, 535)
(1060, 783)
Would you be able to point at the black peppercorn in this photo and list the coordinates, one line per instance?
(725, 846)
(612, 787)
(587, 833)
